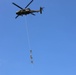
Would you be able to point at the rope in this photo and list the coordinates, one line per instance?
(28, 38)
(27, 31)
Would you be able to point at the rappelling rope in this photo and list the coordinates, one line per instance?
(27, 31)
(28, 38)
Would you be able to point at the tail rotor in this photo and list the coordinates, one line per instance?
(41, 9)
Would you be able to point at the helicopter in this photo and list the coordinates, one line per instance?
(26, 11)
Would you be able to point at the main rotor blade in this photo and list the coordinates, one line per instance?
(29, 4)
(17, 5)
(16, 16)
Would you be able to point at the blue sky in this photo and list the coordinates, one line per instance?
(52, 37)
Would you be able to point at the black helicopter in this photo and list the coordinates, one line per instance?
(26, 11)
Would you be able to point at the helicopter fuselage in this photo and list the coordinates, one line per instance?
(23, 12)
(26, 11)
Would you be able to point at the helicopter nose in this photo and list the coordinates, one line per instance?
(16, 12)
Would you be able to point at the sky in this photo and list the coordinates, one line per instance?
(51, 36)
